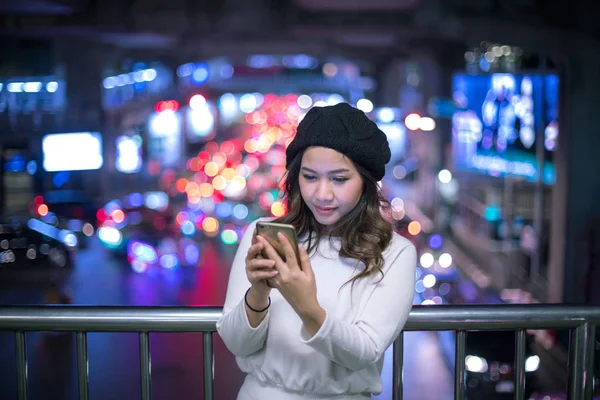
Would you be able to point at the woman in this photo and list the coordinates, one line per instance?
(317, 327)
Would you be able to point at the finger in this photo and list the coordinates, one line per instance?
(254, 250)
(258, 275)
(258, 263)
(288, 248)
(254, 241)
(305, 260)
(272, 254)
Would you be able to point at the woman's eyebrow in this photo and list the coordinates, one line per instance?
(335, 171)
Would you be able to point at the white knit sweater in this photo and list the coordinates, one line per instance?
(343, 360)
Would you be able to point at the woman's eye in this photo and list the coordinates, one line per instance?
(309, 177)
(340, 179)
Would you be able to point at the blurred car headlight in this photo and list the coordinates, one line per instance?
(532, 363)
(110, 236)
(476, 364)
(70, 240)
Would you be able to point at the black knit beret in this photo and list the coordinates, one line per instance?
(345, 129)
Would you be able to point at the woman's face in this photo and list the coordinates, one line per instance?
(330, 184)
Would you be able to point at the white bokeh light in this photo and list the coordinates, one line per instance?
(426, 260)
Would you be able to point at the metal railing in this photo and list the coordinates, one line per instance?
(580, 321)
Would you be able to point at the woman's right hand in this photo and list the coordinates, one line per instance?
(259, 269)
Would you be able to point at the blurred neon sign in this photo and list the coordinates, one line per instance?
(72, 151)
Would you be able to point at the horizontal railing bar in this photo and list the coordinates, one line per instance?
(500, 316)
(109, 318)
(203, 319)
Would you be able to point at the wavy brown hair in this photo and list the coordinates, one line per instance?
(364, 232)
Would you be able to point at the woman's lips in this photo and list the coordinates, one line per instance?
(325, 210)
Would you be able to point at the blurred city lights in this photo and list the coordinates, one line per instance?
(445, 176)
(42, 210)
(427, 124)
(277, 209)
(429, 280)
(138, 266)
(365, 105)
(210, 225)
(444, 289)
(188, 228)
(118, 216)
(414, 228)
(426, 260)
(476, 364)
(435, 241)
(142, 251)
(191, 254)
(167, 105)
(330, 69)
(397, 203)
(445, 260)
(386, 114)
(110, 236)
(412, 121)
(532, 363)
(168, 261)
(211, 168)
(88, 229)
(229, 236)
(240, 211)
(304, 101)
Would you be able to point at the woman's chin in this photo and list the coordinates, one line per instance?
(326, 220)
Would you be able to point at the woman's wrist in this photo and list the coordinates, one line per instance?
(257, 299)
(313, 318)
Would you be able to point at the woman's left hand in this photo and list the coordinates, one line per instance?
(295, 280)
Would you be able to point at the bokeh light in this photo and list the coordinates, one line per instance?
(414, 228)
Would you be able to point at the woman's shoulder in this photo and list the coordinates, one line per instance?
(400, 253)
(398, 244)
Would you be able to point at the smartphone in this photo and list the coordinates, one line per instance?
(269, 231)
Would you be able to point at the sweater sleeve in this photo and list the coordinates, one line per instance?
(362, 343)
(233, 326)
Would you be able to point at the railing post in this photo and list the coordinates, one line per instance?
(145, 366)
(589, 361)
(83, 369)
(519, 366)
(209, 366)
(398, 368)
(581, 361)
(459, 365)
(21, 356)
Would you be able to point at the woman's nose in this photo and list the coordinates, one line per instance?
(324, 192)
